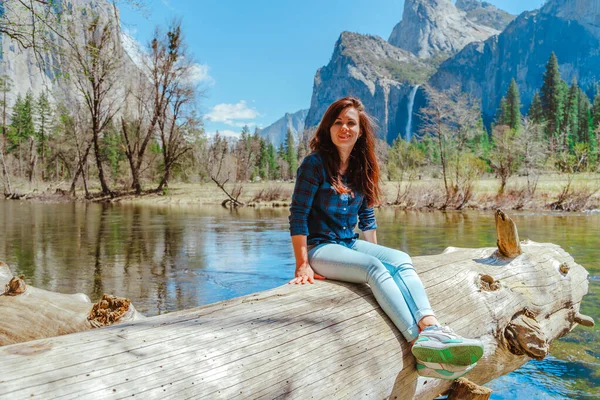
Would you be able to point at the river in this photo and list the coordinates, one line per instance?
(172, 258)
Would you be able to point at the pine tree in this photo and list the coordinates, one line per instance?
(568, 129)
(112, 149)
(43, 118)
(291, 154)
(512, 112)
(552, 99)
(22, 128)
(536, 110)
(480, 145)
(596, 110)
(502, 113)
(583, 131)
(273, 171)
(262, 161)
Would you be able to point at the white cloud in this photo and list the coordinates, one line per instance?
(226, 132)
(199, 73)
(229, 113)
(167, 4)
(242, 124)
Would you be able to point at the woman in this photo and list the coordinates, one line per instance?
(337, 186)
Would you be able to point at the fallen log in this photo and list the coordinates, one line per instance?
(327, 340)
(28, 313)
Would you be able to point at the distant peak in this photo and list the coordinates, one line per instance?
(431, 27)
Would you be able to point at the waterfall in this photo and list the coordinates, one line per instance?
(411, 103)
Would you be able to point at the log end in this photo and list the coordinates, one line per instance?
(464, 389)
(108, 310)
(508, 237)
(15, 286)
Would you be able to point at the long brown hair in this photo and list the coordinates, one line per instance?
(363, 169)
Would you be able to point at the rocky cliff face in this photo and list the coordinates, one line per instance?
(484, 13)
(564, 26)
(585, 12)
(432, 28)
(380, 74)
(276, 132)
(24, 70)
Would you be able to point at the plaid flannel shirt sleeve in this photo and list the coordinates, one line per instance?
(308, 179)
(366, 217)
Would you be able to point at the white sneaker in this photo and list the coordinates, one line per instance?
(439, 344)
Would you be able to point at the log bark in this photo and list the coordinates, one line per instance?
(327, 340)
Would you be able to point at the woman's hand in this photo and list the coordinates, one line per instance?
(304, 273)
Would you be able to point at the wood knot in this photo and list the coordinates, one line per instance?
(108, 310)
(564, 268)
(15, 286)
(488, 283)
(524, 336)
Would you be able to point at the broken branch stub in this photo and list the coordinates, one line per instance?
(464, 389)
(524, 336)
(508, 237)
(584, 320)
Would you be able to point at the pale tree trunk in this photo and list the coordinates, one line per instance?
(32, 159)
(327, 340)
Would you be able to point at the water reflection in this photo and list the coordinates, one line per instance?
(164, 259)
(173, 258)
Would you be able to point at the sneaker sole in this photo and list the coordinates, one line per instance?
(453, 355)
(446, 367)
(447, 375)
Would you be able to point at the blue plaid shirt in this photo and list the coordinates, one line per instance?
(322, 214)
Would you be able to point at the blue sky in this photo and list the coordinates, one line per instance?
(257, 58)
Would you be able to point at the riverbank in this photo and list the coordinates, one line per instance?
(425, 194)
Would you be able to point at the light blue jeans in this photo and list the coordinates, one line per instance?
(389, 273)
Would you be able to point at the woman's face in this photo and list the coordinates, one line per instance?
(345, 129)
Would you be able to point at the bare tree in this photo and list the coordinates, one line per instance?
(505, 153)
(76, 127)
(93, 66)
(465, 116)
(451, 118)
(534, 152)
(174, 131)
(404, 161)
(218, 157)
(138, 128)
(436, 120)
(178, 120)
(156, 87)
